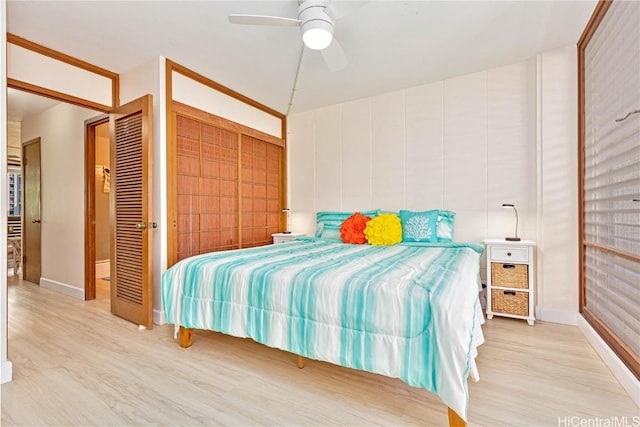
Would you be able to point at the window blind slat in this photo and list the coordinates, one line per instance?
(631, 170)
(631, 185)
(626, 136)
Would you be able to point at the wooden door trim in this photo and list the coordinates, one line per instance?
(172, 185)
(90, 202)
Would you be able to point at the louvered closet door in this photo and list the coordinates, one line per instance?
(261, 191)
(207, 188)
(131, 266)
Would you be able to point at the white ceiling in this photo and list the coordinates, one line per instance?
(389, 45)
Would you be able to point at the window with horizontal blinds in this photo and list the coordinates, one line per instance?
(610, 182)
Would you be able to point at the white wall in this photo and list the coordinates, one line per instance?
(5, 367)
(558, 183)
(466, 144)
(148, 78)
(61, 131)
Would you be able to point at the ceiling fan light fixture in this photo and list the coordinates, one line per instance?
(315, 24)
(317, 35)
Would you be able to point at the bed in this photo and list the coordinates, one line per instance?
(409, 311)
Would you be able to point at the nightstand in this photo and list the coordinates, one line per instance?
(510, 279)
(285, 237)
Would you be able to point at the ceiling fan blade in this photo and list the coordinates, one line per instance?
(264, 20)
(334, 56)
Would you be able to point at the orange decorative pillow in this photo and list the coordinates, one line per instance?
(352, 229)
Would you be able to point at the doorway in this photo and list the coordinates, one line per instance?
(98, 208)
(102, 185)
(31, 231)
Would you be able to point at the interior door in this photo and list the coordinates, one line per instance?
(31, 230)
(130, 128)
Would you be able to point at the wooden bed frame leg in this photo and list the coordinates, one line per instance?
(300, 362)
(455, 420)
(185, 337)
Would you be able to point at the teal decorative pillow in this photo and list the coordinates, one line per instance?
(328, 223)
(419, 226)
(445, 223)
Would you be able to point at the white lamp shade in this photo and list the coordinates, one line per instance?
(317, 34)
(317, 38)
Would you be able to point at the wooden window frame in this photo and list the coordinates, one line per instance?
(617, 345)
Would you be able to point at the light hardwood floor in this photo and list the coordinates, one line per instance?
(103, 289)
(76, 364)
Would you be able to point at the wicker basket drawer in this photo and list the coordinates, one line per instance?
(510, 302)
(510, 275)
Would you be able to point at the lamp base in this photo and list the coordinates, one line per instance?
(512, 239)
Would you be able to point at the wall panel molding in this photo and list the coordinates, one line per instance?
(64, 77)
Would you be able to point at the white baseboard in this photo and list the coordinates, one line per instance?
(6, 373)
(63, 288)
(158, 317)
(624, 376)
(103, 269)
(553, 315)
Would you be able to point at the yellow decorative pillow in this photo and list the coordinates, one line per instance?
(384, 230)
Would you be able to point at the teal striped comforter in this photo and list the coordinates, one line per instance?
(405, 311)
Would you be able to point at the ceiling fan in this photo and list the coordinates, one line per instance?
(316, 20)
